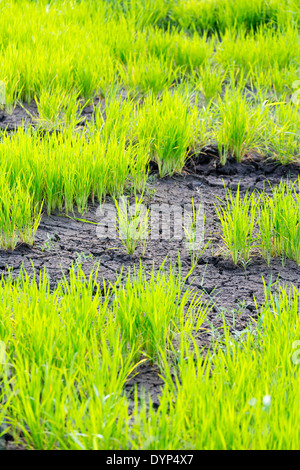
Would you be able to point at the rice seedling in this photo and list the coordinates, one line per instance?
(237, 218)
(191, 52)
(99, 166)
(210, 80)
(68, 368)
(195, 233)
(266, 227)
(9, 94)
(70, 363)
(155, 309)
(275, 217)
(58, 108)
(286, 220)
(236, 406)
(170, 125)
(240, 126)
(143, 74)
(282, 138)
(19, 216)
(132, 224)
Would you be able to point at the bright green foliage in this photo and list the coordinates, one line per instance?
(132, 224)
(267, 223)
(19, 215)
(240, 126)
(237, 218)
(66, 355)
(194, 229)
(170, 125)
(164, 78)
(154, 310)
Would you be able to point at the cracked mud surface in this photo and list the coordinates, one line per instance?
(59, 239)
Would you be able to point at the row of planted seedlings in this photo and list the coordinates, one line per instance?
(266, 223)
(266, 53)
(66, 355)
(109, 156)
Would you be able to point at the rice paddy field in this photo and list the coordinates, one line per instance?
(149, 225)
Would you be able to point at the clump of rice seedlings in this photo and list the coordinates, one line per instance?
(275, 216)
(209, 80)
(170, 124)
(190, 52)
(9, 93)
(115, 120)
(194, 228)
(132, 224)
(19, 216)
(139, 167)
(240, 382)
(282, 136)
(153, 310)
(278, 223)
(194, 15)
(143, 74)
(263, 49)
(272, 220)
(286, 216)
(58, 108)
(240, 126)
(70, 351)
(237, 217)
(68, 363)
(266, 226)
(99, 165)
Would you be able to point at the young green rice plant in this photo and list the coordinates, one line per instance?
(132, 224)
(154, 309)
(195, 232)
(190, 51)
(19, 216)
(237, 217)
(9, 94)
(116, 119)
(143, 74)
(236, 405)
(66, 169)
(139, 166)
(58, 108)
(282, 136)
(209, 80)
(170, 124)
(278, 222)
(286, 220)
(266, 213)
(265, 48)
(68, 363)
(68, 366)
(240, 126)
